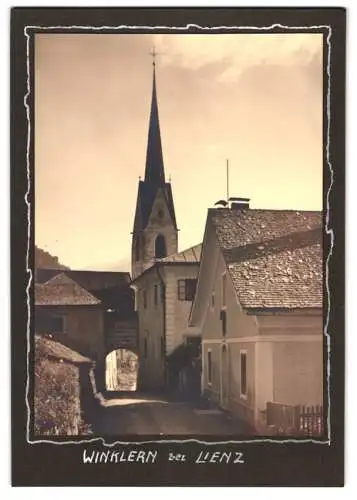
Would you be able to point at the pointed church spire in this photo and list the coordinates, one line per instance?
(154, 169)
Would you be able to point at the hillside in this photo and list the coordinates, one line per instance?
(45, 260)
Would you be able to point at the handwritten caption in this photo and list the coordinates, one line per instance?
(152, 456)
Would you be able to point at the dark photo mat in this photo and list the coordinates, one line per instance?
(261, 462)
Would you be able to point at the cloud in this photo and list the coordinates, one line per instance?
(238, 51)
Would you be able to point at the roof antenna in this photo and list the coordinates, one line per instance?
(227, 172)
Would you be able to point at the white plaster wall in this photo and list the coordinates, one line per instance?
(298, 372)
(177, 311)
(239, 324)
(151, 327)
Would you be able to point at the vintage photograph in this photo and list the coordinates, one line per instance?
(178, 279)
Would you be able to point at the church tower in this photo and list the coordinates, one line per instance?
(155, 230)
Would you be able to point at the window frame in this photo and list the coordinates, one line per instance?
(243, 353)
(182, 289)
(63, 318)
(209, 367)
(224, 290)
(223, 318)
(162, 347)
(213, 300)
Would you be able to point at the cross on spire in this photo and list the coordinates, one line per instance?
(154, 54)
(154, 170)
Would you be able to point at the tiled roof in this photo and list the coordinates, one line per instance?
(116, 278)
(192, 254)
(63, 291)
(54, 349)
(274, 256)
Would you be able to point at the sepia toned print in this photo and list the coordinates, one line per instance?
(178, 260)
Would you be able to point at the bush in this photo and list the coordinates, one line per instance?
(56, 395)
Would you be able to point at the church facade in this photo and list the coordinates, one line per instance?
(164, 279)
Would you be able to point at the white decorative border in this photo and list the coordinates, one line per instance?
(329, 230)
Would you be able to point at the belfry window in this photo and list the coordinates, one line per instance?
(160, 247)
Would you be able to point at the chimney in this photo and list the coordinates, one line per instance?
(238, 203)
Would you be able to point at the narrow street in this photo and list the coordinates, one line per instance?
(138, 414)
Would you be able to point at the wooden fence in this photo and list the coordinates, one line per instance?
(295, 420)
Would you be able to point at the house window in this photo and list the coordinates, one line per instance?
(145, 299)
(57, 324)
(243, 374)
(212, 300)
(224, 287)
(209, 367)
(186, 289)
(155, 295)
(145, 347)
(160, 247)
(224, 322)
(162, 344)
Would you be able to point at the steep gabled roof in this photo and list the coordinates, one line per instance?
(154, 169)
(274, 257)
(63, 291)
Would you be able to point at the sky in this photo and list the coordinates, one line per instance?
(255, 99)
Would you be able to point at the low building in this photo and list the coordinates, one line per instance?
(258, 307)
(71, 314)
(94, 323)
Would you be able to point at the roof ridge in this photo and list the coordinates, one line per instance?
(301, 210)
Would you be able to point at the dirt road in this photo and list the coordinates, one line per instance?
(142, 415)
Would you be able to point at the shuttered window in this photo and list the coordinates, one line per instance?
(186, 289)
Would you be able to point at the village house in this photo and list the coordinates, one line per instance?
(71, 314)
(258, 309)
(164, 294)
(94, 323)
